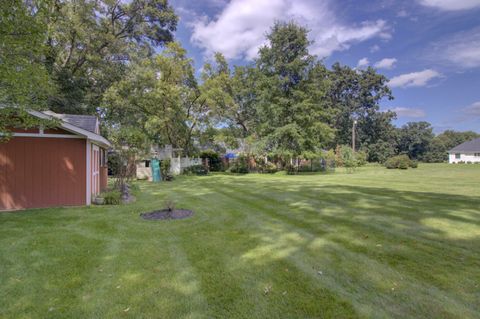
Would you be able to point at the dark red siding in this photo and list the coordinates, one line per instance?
(42, 172)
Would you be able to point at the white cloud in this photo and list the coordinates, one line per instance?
(362, 63)
(387, 63)
(462, 49)
(240, 28)
(468, 114)
(451, 5)
(374, 48)
(409, 112)
(473, 109)
(420, 78)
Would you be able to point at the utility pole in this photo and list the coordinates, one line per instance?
(353, 135)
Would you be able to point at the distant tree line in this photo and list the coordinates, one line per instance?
(119, 60)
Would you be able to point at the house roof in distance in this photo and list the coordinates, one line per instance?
(87, 122)
(469, 146)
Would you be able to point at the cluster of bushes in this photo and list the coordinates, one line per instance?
(400, 162)
(112, 197)
(165, 165)
(195, 170)
(213, 159)
(345, 157)
(291, 169)
(267, 168)
(323, 161)
(240, 166)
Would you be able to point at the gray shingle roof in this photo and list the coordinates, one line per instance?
(469, 146)
(87, 122)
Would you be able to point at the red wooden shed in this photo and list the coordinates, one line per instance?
(63, 166)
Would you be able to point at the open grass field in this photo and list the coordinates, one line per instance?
(374, 244)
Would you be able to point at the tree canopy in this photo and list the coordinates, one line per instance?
(119, 60)
(161, 97)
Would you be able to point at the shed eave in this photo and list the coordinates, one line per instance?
(94, 138)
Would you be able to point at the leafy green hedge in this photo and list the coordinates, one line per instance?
(165, 168)
(195, 170)
(400, 162)
(240, 166)
(214, 160)
(112, 197)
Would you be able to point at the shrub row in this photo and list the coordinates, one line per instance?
(400, 162)
(195, 170)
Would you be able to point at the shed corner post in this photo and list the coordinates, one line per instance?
(88, 172)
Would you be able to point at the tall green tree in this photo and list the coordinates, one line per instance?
(356, 95)
(231, 95)
(291, 112)
(414, 139)
(89, 43)
(24, 80)
(161, 97)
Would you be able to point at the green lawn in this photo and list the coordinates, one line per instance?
(377, 243)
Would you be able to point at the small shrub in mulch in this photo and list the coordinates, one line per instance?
(166, 214)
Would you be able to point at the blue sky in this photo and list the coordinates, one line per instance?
(429, 49)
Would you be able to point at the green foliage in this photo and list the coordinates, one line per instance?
(291, 169)
(345, 156)
(195, 170)
(437, 151)
(380, 151)
(215, 163)
(90, 43)
(329, 159)
(317, 162)
(134, 187)
(401, 162)
(361, 157)
(112, 197)
(414, 139)
(289, 101)
(165, 165)
(240, 166)
(115, 163)
(291, 111)
(129, 143)
(355, 94)
(160, 96)
(24, 80)
(231, 95)
(268, 167)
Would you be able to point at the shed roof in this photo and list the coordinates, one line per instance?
(94, 137)
(87, 122)
(469, 146)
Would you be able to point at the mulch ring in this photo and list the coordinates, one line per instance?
(166, 214)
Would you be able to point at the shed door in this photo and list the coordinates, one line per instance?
(95, 170)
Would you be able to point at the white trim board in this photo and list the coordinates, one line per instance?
(46, 135)
(89, 173)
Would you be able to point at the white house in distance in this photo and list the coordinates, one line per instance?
(468, 152)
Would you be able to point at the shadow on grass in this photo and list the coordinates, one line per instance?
(349, 251)
(381, 245)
